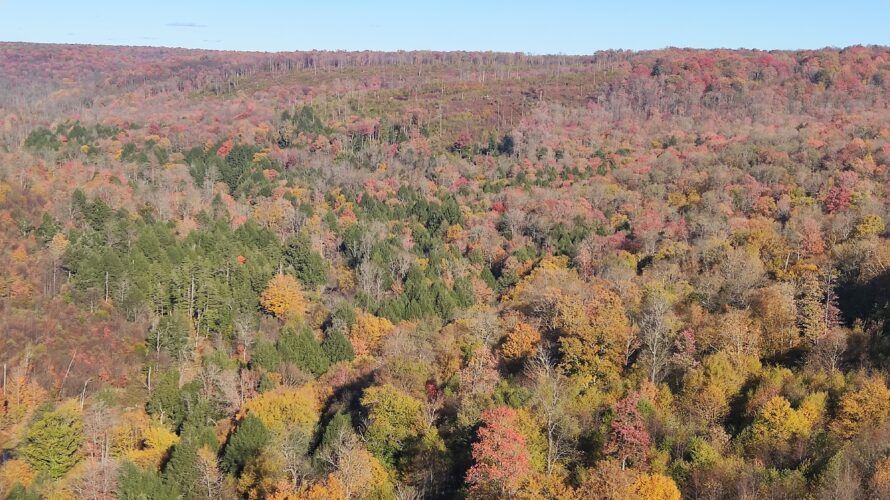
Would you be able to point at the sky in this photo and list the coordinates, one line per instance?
(545, 27)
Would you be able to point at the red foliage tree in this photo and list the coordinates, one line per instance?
(629, 439)
(501, 457)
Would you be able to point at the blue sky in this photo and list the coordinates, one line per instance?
(554, 26)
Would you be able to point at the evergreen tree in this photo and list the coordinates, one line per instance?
(265, 384)
(48, 228)
(339, 424)
(19, 492)
(811, 307)
(246, 443)
(136, 484)
(182, 470)
(303, 350)
(337, 347)
(309, 266)
(264, 356)
(200, 434)
(166, 397)
(170, 335)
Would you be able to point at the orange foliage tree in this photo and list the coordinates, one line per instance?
(284, 298)
(368, 332)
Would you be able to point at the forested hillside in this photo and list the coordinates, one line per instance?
(411, 275)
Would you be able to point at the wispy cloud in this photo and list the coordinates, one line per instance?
(186, 25)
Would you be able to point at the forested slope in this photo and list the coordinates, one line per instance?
(444, 275)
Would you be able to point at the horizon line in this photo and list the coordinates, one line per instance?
(456, 51)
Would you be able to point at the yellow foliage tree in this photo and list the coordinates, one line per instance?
(157, 442)
(127, 434)
(284, 409)
(870, 225)
(551, 486)
(275, 214)
(654, 487)
(707, 389)
(453, 233)
(536, 441)
(284, 298)
(776, 311)
(329, 489)
(866, 406)
(145, 443)
(362, 475)
(778, 422)
(19, 398)
(57, 246)
(368, 332)
(812, 408)
(588, 318)
(593, 333)
(261, 476)
(16, 471)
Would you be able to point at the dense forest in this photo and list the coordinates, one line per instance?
(366, 275)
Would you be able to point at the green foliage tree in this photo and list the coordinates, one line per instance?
(42, 139)
(265, 356)
(19, 492)
(306, 120)
(340, 423)
(182, 470)
(52, 443)
(309, 267)
(336, 346)
(166, 399)
(48, 228)
(395, 418)
(246, 442)
(137, 484)
(170, 335)
(303, 350)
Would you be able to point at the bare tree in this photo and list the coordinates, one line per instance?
(370, 279)
(211, 478)
(294, 450)
(229, 387)
(245, 332)
(96, 481)
(656, 334)
(399, 265)
(550, 398)
(515, 221)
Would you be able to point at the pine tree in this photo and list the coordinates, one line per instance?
(308, 265)
(265, 356)
(137, 484)
(170, 335)
(182, 470)
(19, 492)
(303, 350)
(166, 400)
(337, 347)
(247, 442)
(340, 424)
